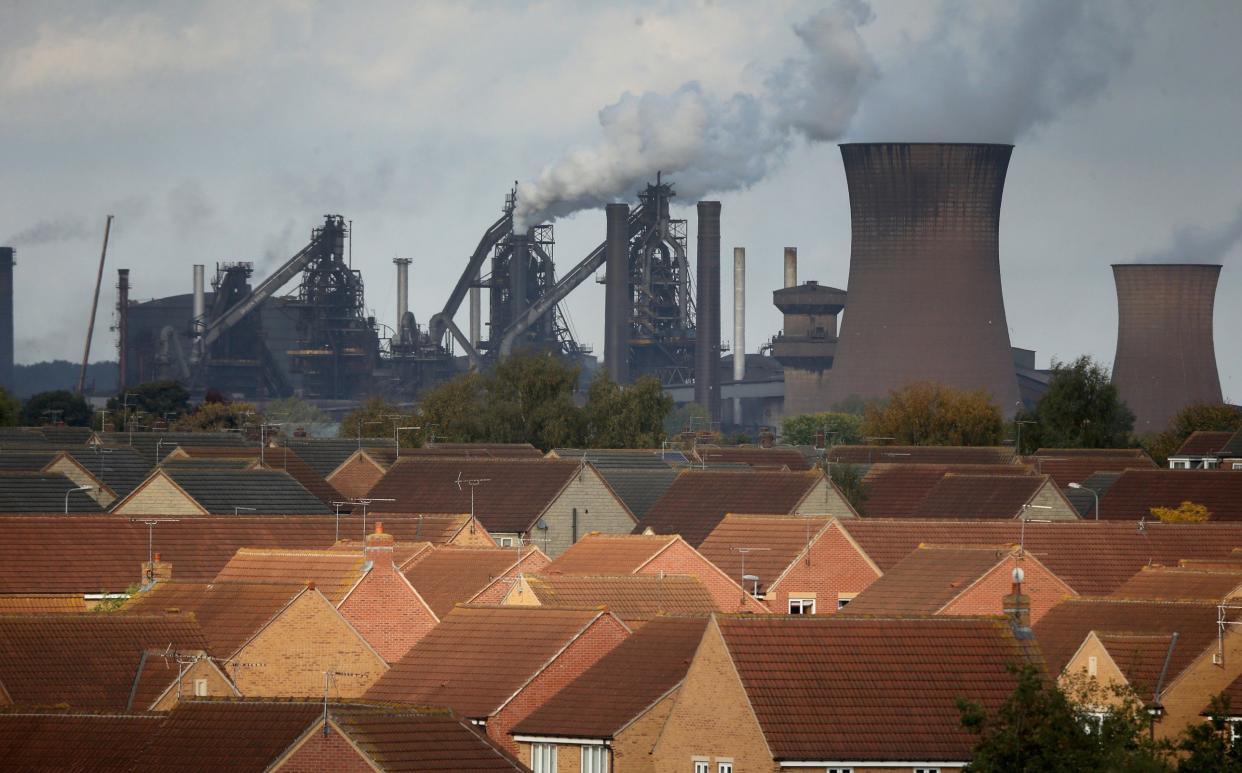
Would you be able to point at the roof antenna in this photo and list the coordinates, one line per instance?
(747, 577)
(329, 677)
(473, 483)
(151, 523)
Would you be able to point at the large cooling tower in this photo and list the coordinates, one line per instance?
(924, 286)
(1165, 355)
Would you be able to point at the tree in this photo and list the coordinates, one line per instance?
(10, 409)
(1205, 747)
(837, 428)
(850, 480)
(456, 410)
(928, 414)
(293, 413)
(60, 405)
(529, 398)
(159, 399)
(1187, 512)
(686, 417)
(1208, 417)
(626, 417)
(220, 417)
(1081, 409)
(377, 418)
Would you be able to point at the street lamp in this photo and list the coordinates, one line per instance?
(1019, 423)
(396, 436)
(70, 491)
(1094, 493)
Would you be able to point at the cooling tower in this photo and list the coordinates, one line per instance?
(707, 311)
(924, 283)
(6, 317)
(1165, 356)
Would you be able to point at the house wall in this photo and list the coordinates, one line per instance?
(321, 752)
(1106, 672)
(158, 496)
(823, 499)
(217, 687)
(80, 477)
(680, 558)
(1060, 508)
(386, 610)
(836, 567)
(473, 538)
(711, 717)
(632, 746)
(599, 638)
(356, 476)
(1044, 589)
(520, 595)
(533, 562)
(1188, 695)
(288, 658)
(598, 510)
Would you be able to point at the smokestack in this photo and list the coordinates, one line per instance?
(403, 297)
(617, 299)
(476, 312)
(739, 325)
(707, 310)
(7, 261)
(122, 326)
(1166, 358)
(199, 319)
(791, 266)
(924, 286)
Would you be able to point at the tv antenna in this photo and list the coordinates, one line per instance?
(753, 578)
(473, 483)
(151, 523)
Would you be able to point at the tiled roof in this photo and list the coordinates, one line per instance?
(208, 463)
(42, 492)
(88, 661)
(1139, 657)
(1076, 469)
(439, 529)
(622, 458)
(627, 596)
(230, 613)
(1203, 443)
(1099, 453)
(926, 580)
(598, 553)
(324, 455)
(1092, 557)
(257, 491)
(68, 436)
(1082, 500)
(1170, 583)
(639, 488)
(425, 740)
(774, 542)
(897, 490)
(697, 501)
(486, 450)
(283, 458)
(515, 494)
(121, 468)
(334, 572)
(1234, 446)
(25, 461)
(158, 672)
(452, 576)
(154, 446)
(1137, 491)
(980, 496)
(41, 604)
(1063, 628)
(57, 741)
(92, 553)
(226, 735)
(921, 454)
(760, 458)
(477, 657)
(840, 688)
(661, 651)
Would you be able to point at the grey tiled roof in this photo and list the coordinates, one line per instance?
(1233, 447)
(121, 468)
(257, 491)
(25, 461)
(42, 492)
(324, 455)
(1082, 500)
(207, 464)
(154, 446)
(624, 458)
(639, 488)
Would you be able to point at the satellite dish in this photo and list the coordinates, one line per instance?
(1018, 574)
(542, 524)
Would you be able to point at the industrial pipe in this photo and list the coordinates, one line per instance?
(403, 297)
(707, 310)
(739, 325)
(617, 298)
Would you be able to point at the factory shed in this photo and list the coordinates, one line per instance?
(220, 492)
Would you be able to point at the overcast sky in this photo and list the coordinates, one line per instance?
(224, 131)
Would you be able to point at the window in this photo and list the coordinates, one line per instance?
(594, 759)
(802, 606)
(543, 757)
(840, 770)
(844, 599)
(1237, 465)
(505, 542)
(927, 770)
(200, 688)
(724, 767)
(700, 766)
(1235, 731)
(1093, 722)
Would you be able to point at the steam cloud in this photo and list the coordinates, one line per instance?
(976, 77)
(49, 232)
(1197, 244)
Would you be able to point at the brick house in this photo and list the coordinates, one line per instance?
(1199, 450)
(650, 554)
(280, 458)
(273, 639)
(537, 501)
(579, 731)
(494, 666)
(634, 598)
(451, 576)
(1136, 492)
(775, 692)
(174, 491)
(356, 476)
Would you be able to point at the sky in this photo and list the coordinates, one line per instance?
(224, 131)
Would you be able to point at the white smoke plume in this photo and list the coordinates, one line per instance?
(50, 231)
(1198, 244)
(710, 144)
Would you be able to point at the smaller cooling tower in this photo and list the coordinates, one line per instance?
(1166, 359)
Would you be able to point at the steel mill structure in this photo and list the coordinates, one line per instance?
(1166, 358)
(7, 262)
(924, 281)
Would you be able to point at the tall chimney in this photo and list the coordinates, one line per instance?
(739, 325)
(1166, 358)
(7, 262)
(476, 312)
(200, 301)
(707, 311)
(618, 303)
(122, 327)
(403, 297)
(791, 266)
(924, 286)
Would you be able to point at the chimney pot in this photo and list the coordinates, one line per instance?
(310, 584)
(379, 527)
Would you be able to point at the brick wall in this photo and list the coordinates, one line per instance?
(533, 562)
(386, 609)
(158, 496)
(835, 567)
(599, 638)
(356, 476)
(1044, 589)
(289, 657)
(1186, 695)
(632, 747)
(598, 510)
(217, 687)
(473, 538)
(680, 558)
(321, 752)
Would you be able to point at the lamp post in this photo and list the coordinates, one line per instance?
(1019, 423)
(1094, 494)
(396, 436)
(70, 491)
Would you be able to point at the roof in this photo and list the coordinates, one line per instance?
(1063, 628)
(1139, 657)
(324, 455)
(921, 454)
(628, 596)
(52, 740)
(121, 468)
(43, 603)
(925, 581)
(1170, 583)
(234, 736)
(451, 576)
(1076, 469)
(639, 488)
(515, 494)
(1099, 453)
(404, 740)
(230, 613)
(25, 460)
(842, 688)
(776, 542)
(697, 500)
(88, 660)
(488, 450)
(1203, 443)
(1233, 447)
(461, 664)
(220, 492)
(1082, 499)
(1092, 557)
(760, 458)
(156, 445)
(439, 529)
(607, 459)
(209, 463)
(43, 492)
(980, 496)
(334, 572)
(599, 553)
(1136, 492)
(661, 651)
(897, 490)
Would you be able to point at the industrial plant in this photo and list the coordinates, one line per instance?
(923, 303)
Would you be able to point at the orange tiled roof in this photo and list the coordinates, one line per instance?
(598, 553)
(1076, 468)
(334, 572)
(230, 613)
(1137, 491)
(775, 542)
(1139, 657)
(450, 576)
(625, 595)
(1203, 443)
(925, 581)
(1171, 583)
(38, 604)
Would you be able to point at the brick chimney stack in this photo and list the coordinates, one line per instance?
(1017, 605)
(155, 571)
(379, 542)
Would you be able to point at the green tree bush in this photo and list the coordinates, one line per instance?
(930, 414)
(1081, 409)
(837, 427)
(59, 405)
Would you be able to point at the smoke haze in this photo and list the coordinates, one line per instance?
(1197, 244)
(49, 232)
